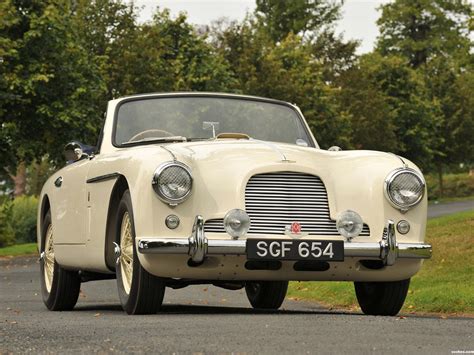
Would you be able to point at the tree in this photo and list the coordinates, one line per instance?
(368, 106)
(299, 17)
(288, 71)
(434, 36)
(47, 85)
(423, 29)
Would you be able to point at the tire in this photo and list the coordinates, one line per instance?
(139, 291)
(381, 298)
(59, 287)
(266, 294)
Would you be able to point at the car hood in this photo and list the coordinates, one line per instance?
(248, 153)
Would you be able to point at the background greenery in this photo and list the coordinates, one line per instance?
(61, 60)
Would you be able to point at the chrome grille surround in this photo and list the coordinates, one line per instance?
(275, 200)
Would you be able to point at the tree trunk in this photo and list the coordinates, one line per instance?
(440, 180)
(20, 180)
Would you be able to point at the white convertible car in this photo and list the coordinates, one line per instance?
(229, 190)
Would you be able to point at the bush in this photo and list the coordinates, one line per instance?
(7, 234)
(454, 185)
(23, 220)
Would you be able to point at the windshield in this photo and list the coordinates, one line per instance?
(186, 118)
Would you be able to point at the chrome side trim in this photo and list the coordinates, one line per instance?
(103, 178)
(197, 246)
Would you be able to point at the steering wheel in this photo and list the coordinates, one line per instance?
(151, 133)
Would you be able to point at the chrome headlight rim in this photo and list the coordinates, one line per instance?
(389, 180)
(159, 171)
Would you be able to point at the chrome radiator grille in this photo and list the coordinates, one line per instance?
(275, 200)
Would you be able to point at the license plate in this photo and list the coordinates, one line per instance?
(277, 249)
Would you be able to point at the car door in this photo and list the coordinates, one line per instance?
(69, 203)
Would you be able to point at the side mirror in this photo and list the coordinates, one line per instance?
(75, 151)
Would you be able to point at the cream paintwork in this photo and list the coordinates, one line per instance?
(221, 168)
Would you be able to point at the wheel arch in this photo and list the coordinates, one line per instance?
(45, 206)
(121, 185)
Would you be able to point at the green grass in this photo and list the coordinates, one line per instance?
(19, 249)
(444, 284)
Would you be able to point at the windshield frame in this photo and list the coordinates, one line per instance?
(143, 97)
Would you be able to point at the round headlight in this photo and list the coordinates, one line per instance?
(237, 223)
(172, 182)
(404, 188)
(349, 224)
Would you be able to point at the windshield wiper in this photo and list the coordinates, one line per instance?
(157, 140)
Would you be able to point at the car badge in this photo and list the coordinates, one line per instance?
(294, 230)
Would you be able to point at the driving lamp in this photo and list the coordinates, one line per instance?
(349, 224)
(172, 182)
(236, 223)
(404, 188)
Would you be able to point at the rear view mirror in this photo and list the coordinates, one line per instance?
(211, 125)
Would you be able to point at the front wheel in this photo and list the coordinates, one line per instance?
(59, 287)
(139, 291)
(266, 294)
(381, 298)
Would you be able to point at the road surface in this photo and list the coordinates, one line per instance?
(206, 319)
(449, 208)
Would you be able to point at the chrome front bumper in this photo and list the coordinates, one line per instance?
(197, 246)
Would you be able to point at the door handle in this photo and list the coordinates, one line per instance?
(58, 182)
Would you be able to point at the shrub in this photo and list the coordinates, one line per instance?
(7, 234)
(23, 219)
(454, 185)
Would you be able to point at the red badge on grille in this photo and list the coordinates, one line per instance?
(295, 228)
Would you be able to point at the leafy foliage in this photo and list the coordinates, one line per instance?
(23, 218)
(60, 62)
(7, 233)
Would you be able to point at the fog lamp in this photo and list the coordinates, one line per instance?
(349, 224)
(236, 223)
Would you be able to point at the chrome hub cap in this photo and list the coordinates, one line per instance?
(126, 256)
(48, 259)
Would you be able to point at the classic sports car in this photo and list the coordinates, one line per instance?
(229, 190)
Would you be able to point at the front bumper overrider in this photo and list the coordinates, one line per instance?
(197, 246)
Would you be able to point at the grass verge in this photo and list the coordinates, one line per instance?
(19, 249)
(444, 284)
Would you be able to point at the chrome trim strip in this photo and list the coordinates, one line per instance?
(197, 246)
(173, 156)
(101, 178)
(272, 147)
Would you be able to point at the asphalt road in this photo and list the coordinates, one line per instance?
(449, 208)
(204, 319)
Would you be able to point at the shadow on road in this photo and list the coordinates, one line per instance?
(202, 309)
(223, 310)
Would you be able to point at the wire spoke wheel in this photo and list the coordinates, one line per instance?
(126, 257)
(49, 258)
(59, 287)
(139, 291)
